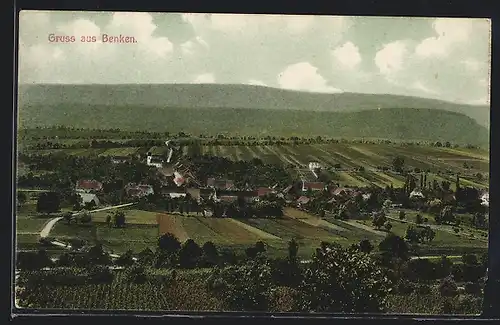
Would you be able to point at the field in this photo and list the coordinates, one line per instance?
(440, 163)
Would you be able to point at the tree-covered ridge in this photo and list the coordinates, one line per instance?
(230, 96)
(413, 124)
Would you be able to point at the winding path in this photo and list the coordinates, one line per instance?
(48, 227)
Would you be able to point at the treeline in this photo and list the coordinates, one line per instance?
(144, 138)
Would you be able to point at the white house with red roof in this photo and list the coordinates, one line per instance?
(313, 186)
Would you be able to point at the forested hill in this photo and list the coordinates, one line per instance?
(390, 123)
(230, 96)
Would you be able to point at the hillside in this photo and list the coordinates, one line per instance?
(230, 96)
(390, 123)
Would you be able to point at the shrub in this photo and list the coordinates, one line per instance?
(100, 274)
(448, 287)
(338, 280)
(243, 287)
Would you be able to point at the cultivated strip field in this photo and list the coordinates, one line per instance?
(261, 234)
(134, 217)
(310, 220)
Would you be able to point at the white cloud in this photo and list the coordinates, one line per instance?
(390, 59)
(304, 76)
(347, 55)
(192, 46)
(205, 78)
(449, 31)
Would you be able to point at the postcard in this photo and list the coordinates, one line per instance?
(202, 162)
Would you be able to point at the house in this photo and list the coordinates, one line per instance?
(138, 190)
(228, 198)
(313, 186)
(303, 200)
(342, 192)
(263, 191)
(88, 186)
(176, 195)
(314, 167)
(179, 180)
(89, 198)
(416, 194)
(154, 160)
(485, 199)
(194, 192)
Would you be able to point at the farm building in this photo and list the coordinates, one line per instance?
(89, 198)
(313, 186)
(303, 200)
(88, 186)
(416, 194)
(153, 160)
(138, 190)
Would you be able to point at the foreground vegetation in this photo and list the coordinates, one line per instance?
(189, 277)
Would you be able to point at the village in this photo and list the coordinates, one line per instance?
(309, 192)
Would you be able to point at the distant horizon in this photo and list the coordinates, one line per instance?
(250, 85)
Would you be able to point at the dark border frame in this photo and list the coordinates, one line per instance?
(422, 8)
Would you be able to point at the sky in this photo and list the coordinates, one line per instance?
(442, 58)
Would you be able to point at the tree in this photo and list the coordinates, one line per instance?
(68, 216)
(97, 256)
(119, 218)
(125, 259)
(243, 287)
(210, 254)
(365, 246)
(189, 254)
(402, 215)
(418, 219)
(448, 287)
(260, 247)
(21, 198)
(85, 217)
(446, 215)
(48, 202)
(168, 243)
(293, 249)
(387, 226)
(379, 219)
(339, 280)
(108, 219)
(394, 245)
(412, 235)
(398, 164)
